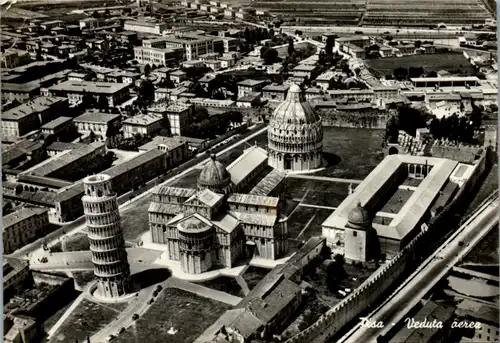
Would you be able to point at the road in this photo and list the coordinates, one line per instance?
(407, 296)
(34, 249)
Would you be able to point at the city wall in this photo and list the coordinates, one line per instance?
(403, 263)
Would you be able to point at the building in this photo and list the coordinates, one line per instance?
(114, 93)
(195, 44)
(59, 127)
(213, 226)
(178, 115)
(431, 312)
(23, 154)
(16, 275)
(22, 227)
(63, 166)
(145, 27)
(275, 92)
(445, 82)
(378, 203)
(178, 76)
(249, 100)
(23, 329)
(143, 124)
(483, 314)
(89, 23)
(13, 58)
(157, 56)
(162, 93)
(96, 122)
(27, 117)
(491, 137)
(177, 149)
(250, 86)
(295, 135)
(105, 237)
(324, 80)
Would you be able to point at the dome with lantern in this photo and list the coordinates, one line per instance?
(295, 134)
(214, 176)
(358, 218)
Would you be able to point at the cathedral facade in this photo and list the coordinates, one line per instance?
(295, 135)
(213, 226)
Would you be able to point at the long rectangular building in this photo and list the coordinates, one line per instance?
(115, 93)
(396, 229)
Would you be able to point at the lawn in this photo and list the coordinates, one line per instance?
(445, 61)
(135, 219)
(312, 217)
(50, 322)
(224, 284)
(82, 279)
(87, 319)
(253, 275)
(323, 193)
(76, 242)
(175, 309)
(397, 201)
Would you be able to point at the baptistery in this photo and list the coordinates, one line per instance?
(295, 135)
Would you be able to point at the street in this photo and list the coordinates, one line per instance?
(427, 275)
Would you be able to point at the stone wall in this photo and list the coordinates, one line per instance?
(402, 264)
(353, 120)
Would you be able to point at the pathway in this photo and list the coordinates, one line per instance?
(204, 291)
(306, 226)
(476, 274)
(243, 284)
(323, 178)
(318, 206)
(66, 314)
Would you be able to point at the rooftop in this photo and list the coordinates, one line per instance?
(170, 142)
(144, 119)
(246, 163)
(276, 88)
(268, 183)
(89, 86)
(33, 106)
(20, 215)
(134, 163)
(445, 79)
(56, 122)
(96, 117)
(251, 83)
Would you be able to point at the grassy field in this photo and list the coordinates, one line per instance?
(87, 319)
(446, 61)
(177, 309)
(486, 251)
(254, 275)
(397, 201)
(312, 217)
(135, 219)
(324, 193)
(224, 284)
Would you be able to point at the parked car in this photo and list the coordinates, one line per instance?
(159, 288)
(122, 329)
(111, 337)
(135, 316)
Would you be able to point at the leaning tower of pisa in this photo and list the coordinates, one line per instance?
(106, 237)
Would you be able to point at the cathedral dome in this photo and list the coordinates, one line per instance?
(294, 110)
(214, 176)
(193, 225)
(358, 217)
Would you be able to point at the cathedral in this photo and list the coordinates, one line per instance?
(235, 212)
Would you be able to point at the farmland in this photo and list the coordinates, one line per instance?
(445, 61)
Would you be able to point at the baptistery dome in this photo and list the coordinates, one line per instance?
(295, 135)
(214, 176)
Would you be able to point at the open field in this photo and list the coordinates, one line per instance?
(224, 284)
(315, 192)
(135, 219)
(174, 309)
(254, 275)
(446, 61)
(87, 319)
(306, 222)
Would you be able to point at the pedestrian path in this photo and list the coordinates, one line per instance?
(66, 314)
(204, 291)
(243, 284)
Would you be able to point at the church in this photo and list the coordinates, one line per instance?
(217, 223)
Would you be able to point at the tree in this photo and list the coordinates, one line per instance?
(103, 103)
(270, 56)
(145, 91)
(400, 73)
(415, 72)
(330, 42)
(291, 48)
(391, 130)
(147, 69)
(410, 119)
(432, 74)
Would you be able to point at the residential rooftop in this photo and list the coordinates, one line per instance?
(21, 215)
(96, 117)
(89, 86)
